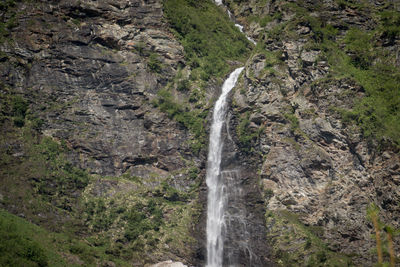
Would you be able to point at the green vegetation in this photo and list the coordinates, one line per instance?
(192, 119)
(359, 47)
(17, 247)
(183, 85)
(378, 112)
(154, 63)
(26, 244)
(8, 19)
(390, 232)
(321, 32)
(247, 136)
(44, 162)
(272, 58)
(140, 219)
(64, 177)
(264, 20)
(294, 121)
(390, 25)
(384, 246)
(363, 60)
(15, 107)
(373, 215)
(295, 244)
(210, 40)
(369, 65)
(92, 228)
(207, 35)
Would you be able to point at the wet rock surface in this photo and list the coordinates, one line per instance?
(245, 229)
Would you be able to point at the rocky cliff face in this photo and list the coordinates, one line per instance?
(311, 164)
(89, 72)
(93, 145)
(101, 63)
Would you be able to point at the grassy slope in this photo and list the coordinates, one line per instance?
(40, 184)
(209, 38)
(25, 244)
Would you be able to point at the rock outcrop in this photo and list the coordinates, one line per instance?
(313, 164)
(95, 66)
(168, 264)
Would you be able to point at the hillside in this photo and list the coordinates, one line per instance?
(105, 110)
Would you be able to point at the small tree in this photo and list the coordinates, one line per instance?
(373, 215)
(390, 232)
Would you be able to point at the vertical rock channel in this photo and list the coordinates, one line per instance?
(217, 189)
(235, 215)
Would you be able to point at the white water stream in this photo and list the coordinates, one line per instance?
(240, 27)
(241, 30)
(217, 197)
(218, 219)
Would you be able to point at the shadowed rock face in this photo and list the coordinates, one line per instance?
(245, 241)
(91, 69)
(88, 63)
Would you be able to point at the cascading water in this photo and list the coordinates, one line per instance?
(217, 197)
(226, 224)
(240, 27)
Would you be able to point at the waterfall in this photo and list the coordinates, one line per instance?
(217, 196)
(240, 27)
(223, 187)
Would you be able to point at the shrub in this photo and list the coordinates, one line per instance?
(183, 85)
(358, 45)
(293, 120)
(19, 106)
(140, 219)
(154, 63)
(390, 25)
(192, 120)
(245, 134)
(14, 107)
(140, 48)
(193, 173)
